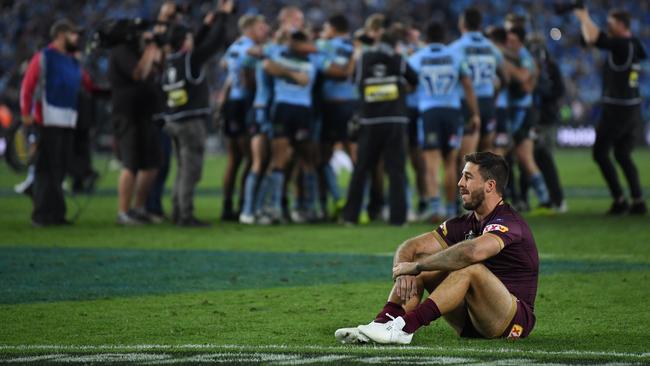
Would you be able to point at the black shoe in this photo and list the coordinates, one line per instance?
(618, 208)
(229, 216)
(62, 222)
(193, 222)
(139, 215)
(638, 208)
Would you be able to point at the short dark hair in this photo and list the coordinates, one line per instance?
(498, 35)
(491, 166)
(340, 23)
(62, 26)
(621, 16)
(436, 32)
(518, 31)
(472, 18)
(390, 38)
(176, 36)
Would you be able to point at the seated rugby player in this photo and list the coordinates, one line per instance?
(480, 269)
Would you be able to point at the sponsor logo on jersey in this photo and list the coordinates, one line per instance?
(495, 227)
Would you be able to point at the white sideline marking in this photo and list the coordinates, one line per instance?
(293, 348)
(279, 359)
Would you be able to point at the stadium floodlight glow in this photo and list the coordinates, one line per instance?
(556, 34)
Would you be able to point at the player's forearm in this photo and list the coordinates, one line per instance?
(451, 259)
(405, 252)
(588, 27)
(145, 65)
(417, 247)
(521, 74)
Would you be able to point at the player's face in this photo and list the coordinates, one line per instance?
(71, 41)
(260, 31)
(472, 187)
(295, 21)
(328, 31)
(513, 41)
(614, 27)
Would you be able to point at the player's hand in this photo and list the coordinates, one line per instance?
(167, 10)
(406, 287)
(581, 13)
(27, 119)
(405, 268)
(226, 6)
(255, 51)
(209, 18)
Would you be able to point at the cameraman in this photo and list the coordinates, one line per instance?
(188, 104)
(621, 101)
(135, 99)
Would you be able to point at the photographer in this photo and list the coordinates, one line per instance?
(621, 105)
(188, 105)
(135, 99)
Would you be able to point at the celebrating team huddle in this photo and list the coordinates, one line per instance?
(378, 95)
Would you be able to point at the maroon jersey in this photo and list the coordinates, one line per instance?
(517, 264)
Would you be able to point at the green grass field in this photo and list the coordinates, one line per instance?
(98, 293)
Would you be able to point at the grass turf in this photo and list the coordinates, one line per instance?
(583, 316)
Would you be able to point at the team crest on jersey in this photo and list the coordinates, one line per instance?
(516, 331)
(495, 227)
(443, 227)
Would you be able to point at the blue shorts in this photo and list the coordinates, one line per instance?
(294, 122)
(259, 122)
(488, 119)
(442, 128)
(336, 118)
(503, 137)
(520, 124)
(235, 114)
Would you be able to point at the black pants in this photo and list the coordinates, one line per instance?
(616, 129)
(53, 156)
(387, 141)
(543, 153)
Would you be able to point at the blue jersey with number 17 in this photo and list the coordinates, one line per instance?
(483, 58)
(440, 69)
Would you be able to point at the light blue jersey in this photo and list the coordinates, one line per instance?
(338, 51)
(237, 59)
(289, 92)
(264, 81)
(502, 98)
(526, 61)
(483, 58)
(439, 69)
(411, 98)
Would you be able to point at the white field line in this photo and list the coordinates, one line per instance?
(280, 347)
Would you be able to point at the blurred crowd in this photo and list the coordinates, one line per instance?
(288, 86)
(22, 31)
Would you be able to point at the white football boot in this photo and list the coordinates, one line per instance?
(387, 333)
(246, 219)
(350, 336)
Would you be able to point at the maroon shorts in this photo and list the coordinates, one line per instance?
(519, 327)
